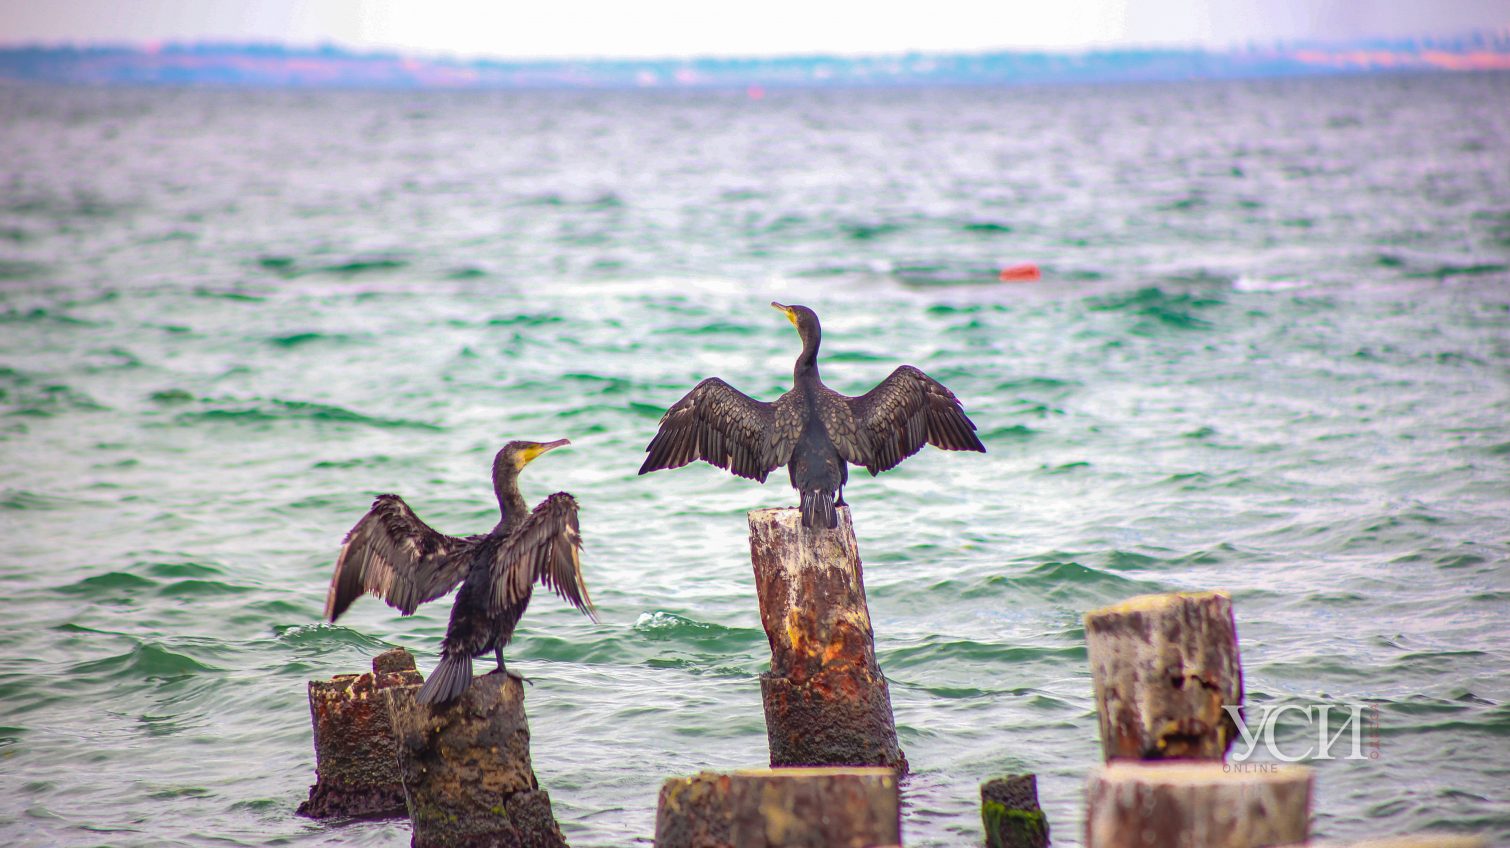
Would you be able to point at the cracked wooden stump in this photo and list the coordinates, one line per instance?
(466, 769)
(1010, 813)
(1163, 667)
(826, 701)
(1196, 805)
(356, 773)
(781, 808)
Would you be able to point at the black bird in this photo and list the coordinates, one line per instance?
(812, 429)
(392, 554)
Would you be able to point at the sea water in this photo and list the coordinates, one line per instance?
(1269, 353)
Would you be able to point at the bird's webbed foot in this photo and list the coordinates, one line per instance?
(514, 674)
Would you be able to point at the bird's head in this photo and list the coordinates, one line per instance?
(515, 455)
(804, 319)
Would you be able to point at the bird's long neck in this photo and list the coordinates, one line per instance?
(807, 363)
(510, 501)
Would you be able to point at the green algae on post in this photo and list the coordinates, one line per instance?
(1010, 813)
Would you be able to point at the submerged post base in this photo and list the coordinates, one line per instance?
(466, 769)
(839, 717)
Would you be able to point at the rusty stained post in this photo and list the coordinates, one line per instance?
(1163, 668)
(826, 701)
(356, 773)
(467, 772)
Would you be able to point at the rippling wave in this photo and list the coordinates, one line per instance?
(1266, 353)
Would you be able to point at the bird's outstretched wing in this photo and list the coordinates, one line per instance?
(547, 548)
(896, 418)
(721, 425)
(392, 554)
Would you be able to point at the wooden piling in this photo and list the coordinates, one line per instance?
(466, 767)
(694, 812)
(1196, 805)
(815, 808)
(1163, 668)
(826, 701)
(356, 773)
(1010, 813)
(781, 808)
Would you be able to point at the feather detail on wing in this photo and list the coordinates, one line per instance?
(392, 554)
(546, 548)
(896, 418)
(721, 425)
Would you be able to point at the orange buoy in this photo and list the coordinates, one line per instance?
(1024, 273)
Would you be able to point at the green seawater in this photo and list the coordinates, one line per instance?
(1270, 353)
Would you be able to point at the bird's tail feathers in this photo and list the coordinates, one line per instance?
(818, 509)
(447, 681)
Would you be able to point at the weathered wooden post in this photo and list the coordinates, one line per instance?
(781, 808)
(815, 808)
(826, 701)
(1163, 667)
(466, 768)
(694, 812)
(1010, 813)
(356, 773)
(1196, 805)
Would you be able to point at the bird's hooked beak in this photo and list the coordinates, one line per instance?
(791, 314)
(528, 455)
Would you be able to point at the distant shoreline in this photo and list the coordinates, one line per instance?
(277, 66)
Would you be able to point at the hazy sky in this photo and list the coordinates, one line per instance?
(641, 28)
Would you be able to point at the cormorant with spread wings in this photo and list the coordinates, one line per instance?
(812, 429)
(392, 554)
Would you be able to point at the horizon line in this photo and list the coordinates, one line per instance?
(374, 51)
